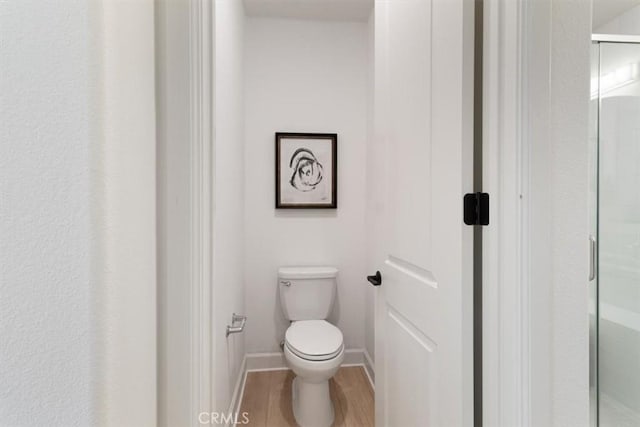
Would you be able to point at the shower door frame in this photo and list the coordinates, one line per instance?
(615, 38)
(598, 39)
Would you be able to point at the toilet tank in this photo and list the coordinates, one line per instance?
(307, 293)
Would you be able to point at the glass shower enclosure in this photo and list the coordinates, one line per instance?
(615, 232)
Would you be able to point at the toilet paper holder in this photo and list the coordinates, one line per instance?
(234, 328)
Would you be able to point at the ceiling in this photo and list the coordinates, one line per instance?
(333, 10)
(605, 10)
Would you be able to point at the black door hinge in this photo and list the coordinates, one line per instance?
(476, 209)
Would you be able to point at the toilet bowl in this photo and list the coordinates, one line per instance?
(313, 350)
(313, 347)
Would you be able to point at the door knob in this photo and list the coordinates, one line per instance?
(376, 279)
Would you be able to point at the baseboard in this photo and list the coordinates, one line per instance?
(369, 368)
(353, 357)
(265, 361)
(276, 361)
(238, 390)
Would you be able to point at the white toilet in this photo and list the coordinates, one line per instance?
(313, 347)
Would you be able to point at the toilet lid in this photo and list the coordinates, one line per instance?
(314, 339)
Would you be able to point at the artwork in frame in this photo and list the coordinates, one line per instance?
(306, 170)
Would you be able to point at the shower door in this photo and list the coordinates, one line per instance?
(615, 288)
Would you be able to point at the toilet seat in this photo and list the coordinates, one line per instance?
(314, 340)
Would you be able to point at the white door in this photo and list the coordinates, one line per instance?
(424, 127)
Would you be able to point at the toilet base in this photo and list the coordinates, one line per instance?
(312, 406)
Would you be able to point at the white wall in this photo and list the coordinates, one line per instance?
(569, 170)
(77, 174)
(174, 213)
(124, 260)
(374, 197)
(627, 23)
(558, 111)
(228, 227)
(46, 363)
(304, 76)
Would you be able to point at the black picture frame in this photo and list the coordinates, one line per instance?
(305, 158)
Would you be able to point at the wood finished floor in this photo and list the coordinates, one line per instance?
(267, 398)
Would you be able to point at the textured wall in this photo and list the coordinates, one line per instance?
(77, 213)
(45, 319)
(569, 173)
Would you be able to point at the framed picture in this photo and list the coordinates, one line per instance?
(306, 170)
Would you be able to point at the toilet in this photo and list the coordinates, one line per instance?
(313, 347)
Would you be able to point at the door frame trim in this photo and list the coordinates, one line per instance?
(506, 293)
(201, 147)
